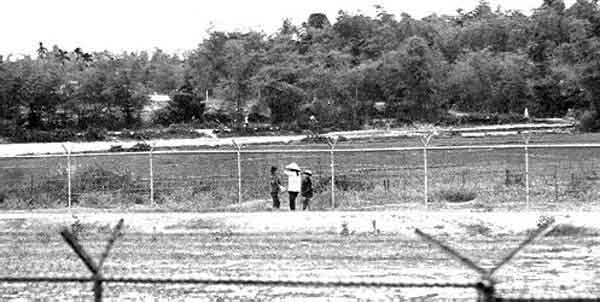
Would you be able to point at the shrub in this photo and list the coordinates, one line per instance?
(34, 135)
(344, 183)
(563, 229)
(140, 147)
(98, 178)
(475, 229)
(483, 207)
(290, 126)
(94, 134)
(180, 129)
(457, 195)
(204, 187)
(189, 199)
(173, 131)
(545, 220)
(322, 139)
(116, 148)
(62, 135)
(580, 183)
(588, 122)
(107, 199)
(512, 178)
(77, 228)
(571, 230)
(483, 119)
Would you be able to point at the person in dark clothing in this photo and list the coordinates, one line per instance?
(275, 187)
(306, 190)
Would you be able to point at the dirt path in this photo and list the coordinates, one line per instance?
(450, 222)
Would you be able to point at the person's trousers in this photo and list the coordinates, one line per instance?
(293, 196)
(306, 203)
(276, 202)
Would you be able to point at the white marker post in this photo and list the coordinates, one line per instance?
(151, 176)
(332, 142)
(239, 169)
(68, 151)
(425, 141)
(526, 138)
(151, 166)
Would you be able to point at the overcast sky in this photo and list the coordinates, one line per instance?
(179, 25)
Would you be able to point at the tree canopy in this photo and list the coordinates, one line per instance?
(485, 60)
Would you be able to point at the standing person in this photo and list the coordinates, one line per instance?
(275, 187)
(313, 126)
(307, 190)
(294, 183)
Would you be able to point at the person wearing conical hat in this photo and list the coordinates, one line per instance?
(294, 183)
(306, 189)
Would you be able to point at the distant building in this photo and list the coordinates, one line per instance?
(157, 102)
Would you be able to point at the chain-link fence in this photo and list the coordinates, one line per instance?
(482, 176)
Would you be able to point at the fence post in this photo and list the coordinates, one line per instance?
(332, 141)
(238, 149)
(486, 286)
(151, 176)
(486, 291)
(556, 183)
(425, 141)
(526, 137)
(68, 151)
(95, 268)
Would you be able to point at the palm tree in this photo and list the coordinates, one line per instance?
(42, 51)
(62, 56)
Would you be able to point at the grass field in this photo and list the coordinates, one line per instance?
(559, 178)
(300, 246)
(385, 187)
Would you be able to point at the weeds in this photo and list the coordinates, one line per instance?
(44, 237)
(484, 207)
(345, 231)
(581, 183)
(344, 183)
(564, 229)
(513, 178)
(545, 220)
(475, 229)
(98, 178)
(457, 195)
(154, 235)
(77, 228)
(569, 230)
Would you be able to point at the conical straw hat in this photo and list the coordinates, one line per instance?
(293, 166)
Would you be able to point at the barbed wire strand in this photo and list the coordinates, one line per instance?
(247, 282)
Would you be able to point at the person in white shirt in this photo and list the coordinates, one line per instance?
(294, 183)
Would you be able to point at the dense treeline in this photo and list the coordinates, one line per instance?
(346, 73)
